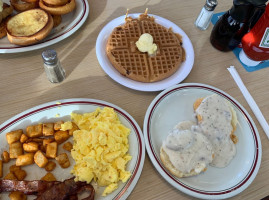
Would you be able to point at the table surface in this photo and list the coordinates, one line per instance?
(23, 82)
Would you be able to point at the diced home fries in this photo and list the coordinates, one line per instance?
(1, 168)
(5, 157)
(37, 145)
(14, 136)
(25, 159)
(15, 149)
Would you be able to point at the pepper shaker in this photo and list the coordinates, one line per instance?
(53, 68)
(203, 19)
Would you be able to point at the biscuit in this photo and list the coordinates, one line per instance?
(233, 137)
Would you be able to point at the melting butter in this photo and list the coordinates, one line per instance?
(145, 44)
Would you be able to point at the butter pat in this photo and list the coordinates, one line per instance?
(145, 44)
(1, 5)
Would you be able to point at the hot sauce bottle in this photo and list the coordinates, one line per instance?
(255, 43)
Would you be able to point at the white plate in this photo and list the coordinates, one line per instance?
(47, 113)
(176, 104)
(177, 77)
(71, 22)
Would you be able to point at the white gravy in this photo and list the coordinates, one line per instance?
(187, 149)
(216, 126)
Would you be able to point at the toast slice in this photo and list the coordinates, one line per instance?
(29, 27)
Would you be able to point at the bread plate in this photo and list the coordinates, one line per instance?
(71, 22)
(60, 110)
(176, 78)
(175, 104)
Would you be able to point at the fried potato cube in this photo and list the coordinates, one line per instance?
(51, 150)
(42, 148)
(30, 147)
(25, 159)
(61, 136)
(5, 157)
(40, 159)
(14, 136)
(68, 146)
(48, 129)
(17, 196)
(34, 131)
(47, 141)
(1, 168)
(57, 125)
(37, 140)
(23, 138)
(20, 174)
(50, 166)
(63, 160)
(15, 150)
(49, 177)
(74, 128)
(10, 176)
(14, 168)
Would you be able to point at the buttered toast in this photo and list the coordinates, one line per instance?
(29, 27)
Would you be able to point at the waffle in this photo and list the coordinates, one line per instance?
(130, 62)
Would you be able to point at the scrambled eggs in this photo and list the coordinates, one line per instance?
(100, 148)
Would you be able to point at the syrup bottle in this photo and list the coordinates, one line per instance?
(235, 23)
(255, 43)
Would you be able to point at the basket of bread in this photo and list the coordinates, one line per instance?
(26, 22)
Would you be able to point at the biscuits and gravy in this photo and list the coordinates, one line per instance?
(186, 152)
(191, 146)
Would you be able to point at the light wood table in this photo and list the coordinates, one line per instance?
(23, 83)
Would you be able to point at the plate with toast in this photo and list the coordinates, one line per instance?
(66, 26)
(121, 59)
(181, 103)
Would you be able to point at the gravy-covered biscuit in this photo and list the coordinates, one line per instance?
(186, 152)
(217, 121)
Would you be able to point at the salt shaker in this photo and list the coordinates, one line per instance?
(53, 68)
(203, 19)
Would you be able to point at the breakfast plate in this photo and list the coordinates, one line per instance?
(175, 104)
(71, 22)
(177, 77)
(61, 110)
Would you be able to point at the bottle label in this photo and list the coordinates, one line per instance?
(265, 39)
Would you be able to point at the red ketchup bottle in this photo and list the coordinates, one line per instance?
(255, 43)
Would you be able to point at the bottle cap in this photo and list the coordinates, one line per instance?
(50, 57)
(257, 2)
(211, 4)
(241, 10)
(246, 60)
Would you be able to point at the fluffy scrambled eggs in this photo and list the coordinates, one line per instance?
(100, 149)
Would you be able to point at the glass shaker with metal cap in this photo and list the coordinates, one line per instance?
(53, 68)
(204, 18)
